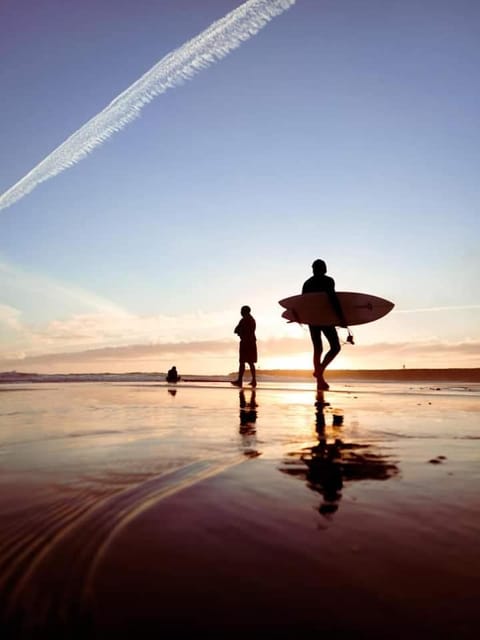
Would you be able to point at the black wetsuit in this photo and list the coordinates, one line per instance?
(323, 284)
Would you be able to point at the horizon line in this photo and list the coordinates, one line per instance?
(258, 370)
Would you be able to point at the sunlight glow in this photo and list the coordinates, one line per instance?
(294, 361)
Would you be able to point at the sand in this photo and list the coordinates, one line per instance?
(134, 510)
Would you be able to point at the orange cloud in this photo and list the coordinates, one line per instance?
(209, 355)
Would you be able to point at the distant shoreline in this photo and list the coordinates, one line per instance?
(358, 375)
(397, 375)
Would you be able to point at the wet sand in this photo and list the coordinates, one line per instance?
(132, 510)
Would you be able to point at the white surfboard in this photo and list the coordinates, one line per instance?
(316, 308)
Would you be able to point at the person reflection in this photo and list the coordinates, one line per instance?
(320, 405)
(330, 463)
(248, 419)
(323, 461)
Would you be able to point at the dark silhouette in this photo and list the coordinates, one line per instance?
(248, 419)
(172, 375)
(245, 329)
(248, 411)
(326, 466)
(321, 283)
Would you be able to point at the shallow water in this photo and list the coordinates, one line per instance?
(95, 439)
(79, 461)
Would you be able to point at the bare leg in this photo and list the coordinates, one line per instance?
(334, 343)
(332, 337)
(241, 370)
(253, 382)
(315, 334)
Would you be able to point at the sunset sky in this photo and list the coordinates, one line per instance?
(342, 130)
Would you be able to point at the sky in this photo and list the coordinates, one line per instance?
(344, 130)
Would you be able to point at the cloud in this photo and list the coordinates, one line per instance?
(138, 357)
(438, 347)
(10, 317)
(381, 355)
(108, 326)
(465, 307)
(52, 290)
(213, 44)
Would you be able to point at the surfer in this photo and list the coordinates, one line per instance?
(172, 375)
(245, 330)
(319, 283)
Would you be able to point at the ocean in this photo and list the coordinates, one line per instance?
(82, 463)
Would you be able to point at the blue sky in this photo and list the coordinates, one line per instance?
(342, 130)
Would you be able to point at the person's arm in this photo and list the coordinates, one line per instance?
(238, 329)
(332, 294)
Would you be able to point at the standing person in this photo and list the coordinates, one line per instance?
(319, 283)
(245, 330)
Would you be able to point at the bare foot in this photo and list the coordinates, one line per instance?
(236, 383)
(322, 384)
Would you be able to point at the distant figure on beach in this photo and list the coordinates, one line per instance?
(172, 375)
(320, 283)
(245, 330)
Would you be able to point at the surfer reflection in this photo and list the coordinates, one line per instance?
(331, 463)
(248, 419)
(320, 405)
(172, 392)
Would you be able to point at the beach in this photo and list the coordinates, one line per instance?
(131, 509)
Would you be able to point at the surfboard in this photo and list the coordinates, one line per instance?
(316, 308)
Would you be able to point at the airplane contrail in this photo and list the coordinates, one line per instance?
(211, 45)
(465, 307)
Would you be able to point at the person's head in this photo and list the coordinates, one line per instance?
(245, 310)
(319, 267)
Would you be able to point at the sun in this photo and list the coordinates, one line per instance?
(301, 361)
(294, 361)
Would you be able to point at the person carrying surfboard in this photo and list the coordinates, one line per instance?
(245, 330)
(319, 283)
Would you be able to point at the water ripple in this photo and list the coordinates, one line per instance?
(48, 562)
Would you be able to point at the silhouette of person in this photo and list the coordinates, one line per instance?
(248, 419)
(172, 375)
(327, 465)
(321, 283)
(245, 330)
(248, 410)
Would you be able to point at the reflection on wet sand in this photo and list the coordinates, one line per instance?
(328, 464)
(248, 419)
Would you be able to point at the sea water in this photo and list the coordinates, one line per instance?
(79, 460)
(101, 438)
(92, 432)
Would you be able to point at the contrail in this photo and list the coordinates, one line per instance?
(213, 44)
(466, 307)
